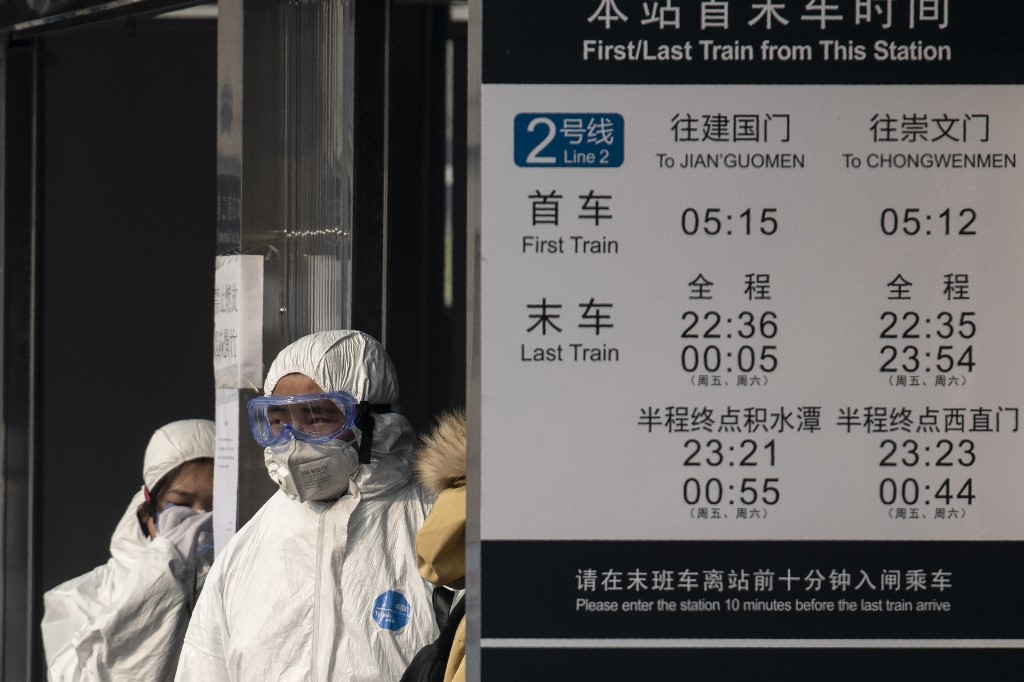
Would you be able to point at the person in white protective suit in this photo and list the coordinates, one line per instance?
(322, 583)
(126, 620)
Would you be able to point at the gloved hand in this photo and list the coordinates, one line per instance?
(189, 530)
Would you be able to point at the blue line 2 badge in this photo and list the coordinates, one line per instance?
(569, 140)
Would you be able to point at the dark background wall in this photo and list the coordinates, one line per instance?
(127, 249)
(427, 338)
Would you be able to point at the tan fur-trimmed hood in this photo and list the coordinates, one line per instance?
(441, 455)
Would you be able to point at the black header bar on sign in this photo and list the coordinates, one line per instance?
(752, 590)
(884, 42)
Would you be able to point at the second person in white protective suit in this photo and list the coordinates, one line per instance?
(126, 620)
(322, 583)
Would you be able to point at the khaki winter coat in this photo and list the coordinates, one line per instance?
(441, 542)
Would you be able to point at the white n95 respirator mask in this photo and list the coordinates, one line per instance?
(312, 471)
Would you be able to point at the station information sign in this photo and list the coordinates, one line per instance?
(751, 333)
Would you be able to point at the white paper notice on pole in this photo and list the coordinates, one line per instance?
(750, 330)
(238, 322)
(225, 474)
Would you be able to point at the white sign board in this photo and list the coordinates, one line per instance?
(750, 278)
(756, 330)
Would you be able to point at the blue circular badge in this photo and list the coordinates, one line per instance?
(391, 611)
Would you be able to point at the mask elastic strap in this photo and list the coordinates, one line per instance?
(365, 424)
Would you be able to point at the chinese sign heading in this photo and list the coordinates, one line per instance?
(751, 41)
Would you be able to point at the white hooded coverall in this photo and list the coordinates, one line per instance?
(318, 591)
(125, 620)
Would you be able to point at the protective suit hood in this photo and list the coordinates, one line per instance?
(339, 360)
(170, 446)
(174, 444)
(390, 465)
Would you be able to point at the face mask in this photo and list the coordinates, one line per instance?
(204, 558)
(308, 471)
(176, 523)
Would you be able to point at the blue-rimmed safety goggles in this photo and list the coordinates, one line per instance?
(313, 418)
